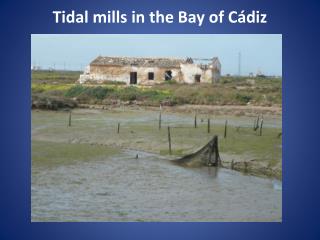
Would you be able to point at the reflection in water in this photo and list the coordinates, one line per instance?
(213, 171)
(148, 188)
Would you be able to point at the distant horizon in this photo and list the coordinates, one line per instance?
(259, 52)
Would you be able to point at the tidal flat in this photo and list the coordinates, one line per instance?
(90, 172)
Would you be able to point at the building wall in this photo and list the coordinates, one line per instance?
(189, 72)
(185, 74)
(109, 73)
(122, 74)
(159, 75)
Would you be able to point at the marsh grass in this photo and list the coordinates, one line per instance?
(92, 133)
(52, 154)
(229, 91)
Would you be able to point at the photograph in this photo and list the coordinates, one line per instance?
(156, 127)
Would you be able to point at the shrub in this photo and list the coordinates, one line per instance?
(242, 98)
(75, 91)
(97, 92)
(42, 101)
(90, 92)
(57, 93)
(128, 94)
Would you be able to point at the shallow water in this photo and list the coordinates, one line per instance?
(150, 188)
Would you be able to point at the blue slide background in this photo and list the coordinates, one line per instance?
(299, 24)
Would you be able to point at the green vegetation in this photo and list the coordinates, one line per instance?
(49, 88)
(90, 92)
(139, 130)
(246, 141)
(57, 154)
(54, 77)
(229, 91)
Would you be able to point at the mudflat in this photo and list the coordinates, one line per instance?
(90, 172)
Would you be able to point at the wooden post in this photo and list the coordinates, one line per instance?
(160, 120)
(208, 125)
(257, 123)
(169, 139)
(217, 159)
(118, 130)
(69, 124)
(261, 127)
(225, 128)
(195, 120)
(232, 164)
(216, 150)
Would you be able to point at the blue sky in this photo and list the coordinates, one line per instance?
(259, 52)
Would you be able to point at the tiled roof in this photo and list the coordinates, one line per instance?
(141, 62)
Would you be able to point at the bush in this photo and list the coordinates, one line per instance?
(75, 91)
(242, 98)
(42, 101)
(97, 92)
(127, 94)
(57, 93)
(90, 92)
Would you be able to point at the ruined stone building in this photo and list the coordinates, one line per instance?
(149, 71)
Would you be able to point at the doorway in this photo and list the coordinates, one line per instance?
(133, 77)
(197, 78)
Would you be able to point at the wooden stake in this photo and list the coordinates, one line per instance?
(225, 128)
(195, 120)
(169, 139)
(217, 160)
(214, 153)
(208, 125)
(261, 127)
(257, 123)
(69, 119)
(160, 120)
(118, 130)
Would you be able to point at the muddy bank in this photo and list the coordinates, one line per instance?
(52, 102)
(256, 167)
